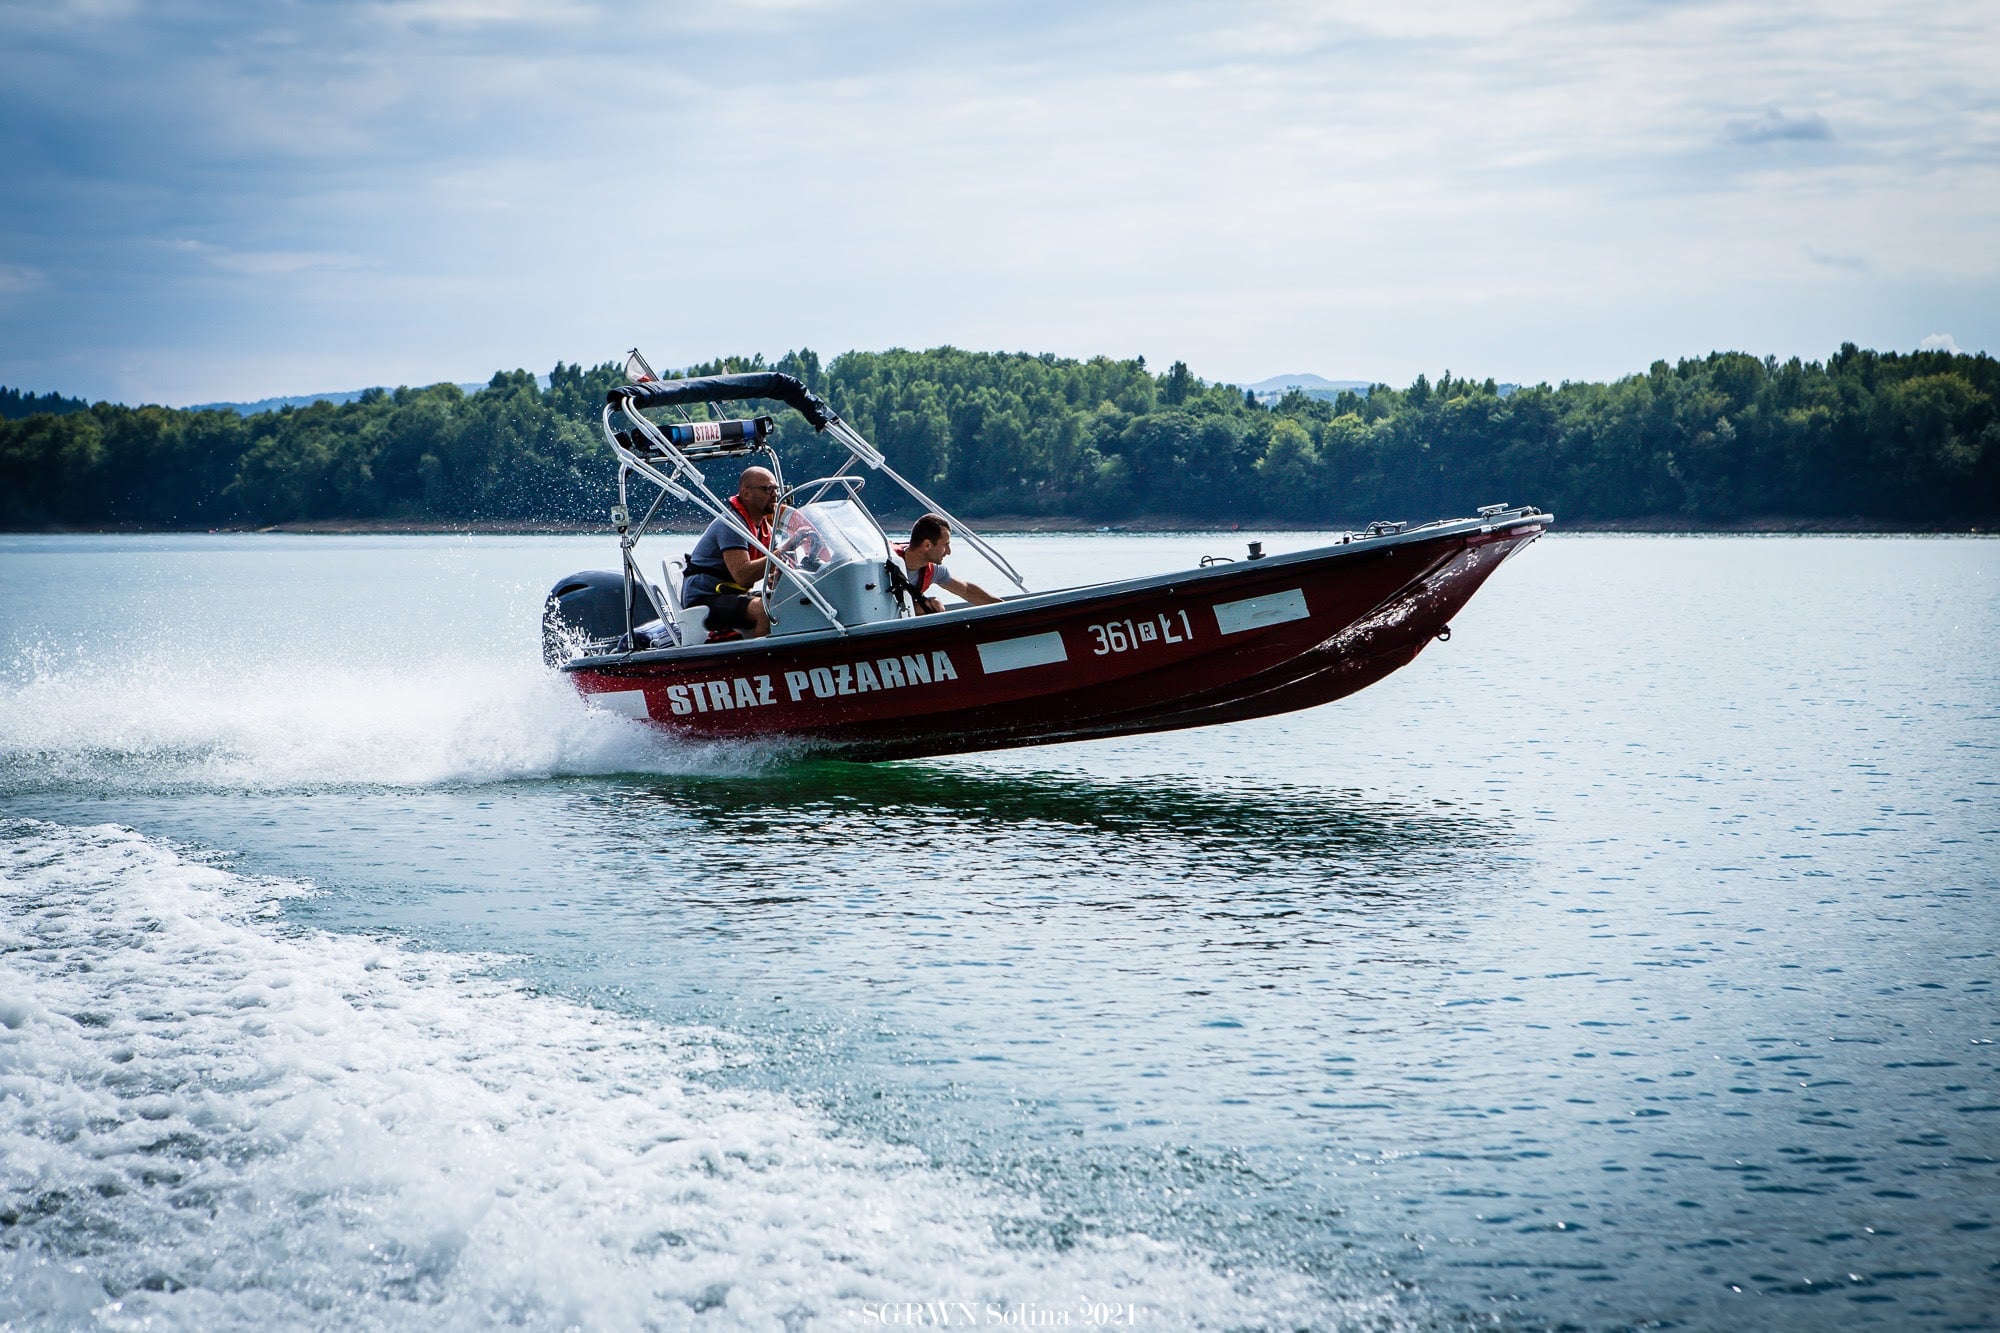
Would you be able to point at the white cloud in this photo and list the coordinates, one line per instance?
(16, 279)
(266, 263)
(1773, 125)
(1851, 263)
(473, 13)
(272, 262)
(1938, 342)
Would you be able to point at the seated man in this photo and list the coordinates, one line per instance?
(923, 557)
(721, 570)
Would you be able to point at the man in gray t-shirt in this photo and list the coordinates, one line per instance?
(722, 569)
(923, 560)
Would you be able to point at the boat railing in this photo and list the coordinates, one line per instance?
(819, 486)
(865, 452)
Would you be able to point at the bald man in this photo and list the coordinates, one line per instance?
(721, 570)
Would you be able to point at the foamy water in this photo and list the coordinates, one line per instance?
(213, 1120)
(163, 718)
(396, 663)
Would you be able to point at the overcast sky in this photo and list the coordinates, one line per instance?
(210, 201)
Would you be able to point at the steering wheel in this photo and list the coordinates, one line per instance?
(806, 535)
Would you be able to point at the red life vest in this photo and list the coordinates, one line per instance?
(923, 579)
(761, 527)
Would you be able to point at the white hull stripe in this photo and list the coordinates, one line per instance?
(1260, 612)
(1013, 654)
(632, 703)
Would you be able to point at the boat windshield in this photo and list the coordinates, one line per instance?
(830, 533)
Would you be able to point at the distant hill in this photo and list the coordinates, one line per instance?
(1280, 383)
(1271, 390)
(1313, 386)
(308, 399)
(273, 404)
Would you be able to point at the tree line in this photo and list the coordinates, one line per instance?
(1729, 438)
(14, 404)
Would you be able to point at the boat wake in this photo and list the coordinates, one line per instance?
(163, 720)
(216, 1119)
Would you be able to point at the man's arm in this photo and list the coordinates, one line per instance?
(971, 592)
(744, 569)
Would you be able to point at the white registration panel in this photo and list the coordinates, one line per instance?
(1028, 651)
(632, 703)
(1260, 612)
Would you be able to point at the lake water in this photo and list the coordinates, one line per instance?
(1627, 961)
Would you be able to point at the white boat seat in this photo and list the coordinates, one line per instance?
(691, 625)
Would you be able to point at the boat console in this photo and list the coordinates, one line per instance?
(841, 547)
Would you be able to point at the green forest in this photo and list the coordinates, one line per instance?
(1730, 440)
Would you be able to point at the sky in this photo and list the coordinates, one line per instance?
(210, 201)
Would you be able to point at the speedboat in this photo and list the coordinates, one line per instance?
(853, 666)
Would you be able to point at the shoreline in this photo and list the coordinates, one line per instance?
(1660, 525)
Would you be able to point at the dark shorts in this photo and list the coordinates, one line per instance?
(727, 610)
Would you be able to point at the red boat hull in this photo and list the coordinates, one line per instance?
(1222, 644)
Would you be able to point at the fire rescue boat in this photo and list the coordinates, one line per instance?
(851, 668)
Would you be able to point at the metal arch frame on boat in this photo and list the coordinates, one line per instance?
(684, 480)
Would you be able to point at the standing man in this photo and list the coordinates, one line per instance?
(721, 570)
(923, 559)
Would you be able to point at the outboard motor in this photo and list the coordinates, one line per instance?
(585, 613)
